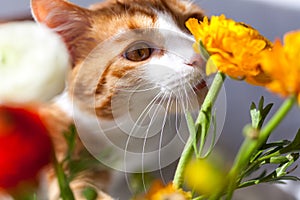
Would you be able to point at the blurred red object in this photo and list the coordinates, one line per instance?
(25, 146)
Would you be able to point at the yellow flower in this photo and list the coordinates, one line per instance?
(204, 177)
(282, 64)
(160, 192)
(233, 47)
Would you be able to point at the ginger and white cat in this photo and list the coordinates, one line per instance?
(134, 73)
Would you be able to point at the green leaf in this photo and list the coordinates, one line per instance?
(203, 51)
(281, 171)
(294, 146)
(200, 198)
(265, 113)
(259, 114)
(90, 193)
(70, 137)
(261, 103)
(204, 126)
(255, 115)
(192, 131)
(277, 144)
(256, 156)
(279, 160)
(214, 134)
(65, 191)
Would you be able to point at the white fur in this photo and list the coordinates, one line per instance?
(180, 42)
(175, 64)
(64, 102)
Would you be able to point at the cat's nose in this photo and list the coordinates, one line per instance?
(196, 61)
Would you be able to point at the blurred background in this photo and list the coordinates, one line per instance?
(272, 18)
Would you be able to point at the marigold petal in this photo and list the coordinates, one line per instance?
(193, 25)
(170, 192)
(260, 80)
(258, 45)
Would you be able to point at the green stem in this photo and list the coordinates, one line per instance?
(65, 190)
(183, 161)
(189, 150)
(211, 96)
(251, 145)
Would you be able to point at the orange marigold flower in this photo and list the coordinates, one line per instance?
(283, 65)
(233, 47)
(160, 192)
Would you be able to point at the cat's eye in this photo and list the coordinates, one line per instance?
(138, 52)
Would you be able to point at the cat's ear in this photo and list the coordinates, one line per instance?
(67, 19)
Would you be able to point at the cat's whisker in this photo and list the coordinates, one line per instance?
(149, 107)
(162, 128)
(186, 97)
(189, 95)
(177, 123)
(142, 117)
(144, 113)
(176, 116)
(169, 104)
(164, 98)
(139, 88)
(182, 96)
(171, 82)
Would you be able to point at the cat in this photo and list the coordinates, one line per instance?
(133, 71)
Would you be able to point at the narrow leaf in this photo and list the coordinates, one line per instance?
(192, 131)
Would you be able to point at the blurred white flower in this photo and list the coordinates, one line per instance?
(34, 62)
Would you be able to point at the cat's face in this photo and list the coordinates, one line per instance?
(123, 45)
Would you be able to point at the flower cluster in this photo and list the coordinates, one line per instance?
(241, 52)
(233, 47)
(282, 64)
